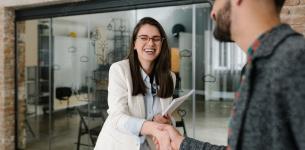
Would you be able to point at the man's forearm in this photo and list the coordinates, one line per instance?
(192, 144)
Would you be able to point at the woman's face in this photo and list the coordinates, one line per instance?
(148, 44)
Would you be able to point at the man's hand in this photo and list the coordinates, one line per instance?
(175, 136)
(162, 140)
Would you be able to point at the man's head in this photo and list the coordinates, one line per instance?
(221, 14)
(222, 11)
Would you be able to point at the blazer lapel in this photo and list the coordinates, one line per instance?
(141, 106)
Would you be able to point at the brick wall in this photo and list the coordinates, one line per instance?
(21, 88)
(7, 114)
(294, 14)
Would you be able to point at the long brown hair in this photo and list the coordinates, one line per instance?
(162, 63)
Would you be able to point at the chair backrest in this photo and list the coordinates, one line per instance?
(101, 98)
(63, 93)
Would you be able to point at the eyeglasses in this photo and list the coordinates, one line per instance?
(156, 39)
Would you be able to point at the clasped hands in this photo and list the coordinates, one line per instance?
(166, 137)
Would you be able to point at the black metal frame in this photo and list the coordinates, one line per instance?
(16, 109)
(97, 6)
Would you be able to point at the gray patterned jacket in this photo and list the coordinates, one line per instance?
(271, 110)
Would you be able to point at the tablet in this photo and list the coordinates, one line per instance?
(176, 103)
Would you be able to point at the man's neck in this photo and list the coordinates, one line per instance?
(252, 26)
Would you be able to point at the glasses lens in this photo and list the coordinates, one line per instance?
(155, 39)
(143, 38)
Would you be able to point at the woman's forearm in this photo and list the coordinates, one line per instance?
(149, 128)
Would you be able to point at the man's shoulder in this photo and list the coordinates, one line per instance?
(287, 57)
(291, 48)
(294, 42)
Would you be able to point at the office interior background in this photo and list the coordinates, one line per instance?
(63, 62)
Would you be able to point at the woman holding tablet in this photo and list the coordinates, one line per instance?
(140, 88)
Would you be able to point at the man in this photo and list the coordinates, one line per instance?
(268, 111)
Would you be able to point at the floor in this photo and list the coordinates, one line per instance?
(211, 121)
(62, 128)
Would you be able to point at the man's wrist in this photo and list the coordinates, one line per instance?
(179, 140)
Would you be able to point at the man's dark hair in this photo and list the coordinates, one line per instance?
(279, 5)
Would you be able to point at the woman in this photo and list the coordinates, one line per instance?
(140, 87)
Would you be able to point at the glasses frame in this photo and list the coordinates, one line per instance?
(151, 38)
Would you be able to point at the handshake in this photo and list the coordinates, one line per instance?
(165, 136)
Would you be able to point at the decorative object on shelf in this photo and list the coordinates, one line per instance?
(120, 37)
(94, 35)
(110, 43)
(98, 38)
(73, 34)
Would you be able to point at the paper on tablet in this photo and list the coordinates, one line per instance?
(176, 103)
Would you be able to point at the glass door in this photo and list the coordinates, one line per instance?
(67, 60)
(35, 50)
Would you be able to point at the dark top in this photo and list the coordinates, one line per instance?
(270, 112)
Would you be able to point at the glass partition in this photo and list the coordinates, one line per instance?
(34, 38)
(67, 60)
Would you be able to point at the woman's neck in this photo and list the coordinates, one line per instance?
(147, 67)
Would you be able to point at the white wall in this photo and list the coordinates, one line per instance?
(31, 43)
(71, 67)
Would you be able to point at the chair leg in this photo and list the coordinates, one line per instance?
(79, 134)
(184, 129)
(30, 128)
(68, 103)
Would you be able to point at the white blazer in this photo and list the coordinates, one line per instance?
(122, 105)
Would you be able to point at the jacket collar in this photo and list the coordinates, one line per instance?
(272, 38)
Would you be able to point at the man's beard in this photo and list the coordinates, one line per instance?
(223, 24)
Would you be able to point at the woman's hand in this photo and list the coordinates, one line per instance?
(162, 119)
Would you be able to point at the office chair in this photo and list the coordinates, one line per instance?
(63, 94)
(93, 110)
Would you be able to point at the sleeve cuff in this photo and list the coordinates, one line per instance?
(132, 125)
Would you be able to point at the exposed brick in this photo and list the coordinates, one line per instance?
(293, 10)
(294, 19)
(292, 2)
(7, 109)
(299, 28)
(293, 13)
